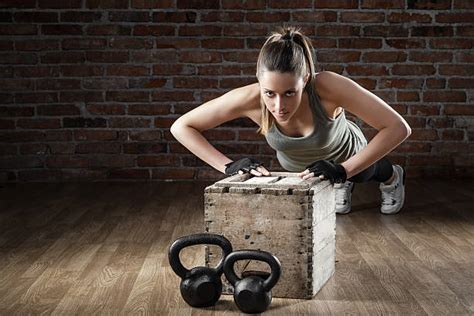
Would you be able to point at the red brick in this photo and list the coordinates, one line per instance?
(18, 4)
(20, 136)
(197, 4)
(80, 96)
(413, 69)
(455, 17)
(336, 4)
(36, 17)
(452, 43)
(105, 84)
(366, 70)
(18, 29)
(356, 43)
(127, 96)
(383, 4)
(105, 148)
(365, 17)
(244, 4)
(425, 110)
(65, 4)
(164, 122)
(414, 147)
(433, 57)
(39, 175)
(153, 4)
(84, 122)
(222, 16)
(209, 174)
(129, 122)
(424, 134)
(200, 57)
(223, 43)
(9, 111)
(107, 4)
(148, 109)
(453, 134)
(432, 31)
(405, 17)
(58, 109)
(39, 123)
(62, 29)
(16, 85)
(107, 57)
(177, 173)
(80, 16)
(157, 161)
(19, 58)
(83, 44)
(459, 109)
(129, 174)
(178, 43)
(191, 30)
(429, 4)
(339, 56)
(144, 148)
(58, 135)
(183, 108)
(131, 43)
(61, 161)
(313, 17)
(268, 17)
(415, 122)
(250, 135)
(21, 162)
(219, 134)
(82, 71)
(37, 97)
(58, 84)
(461, 83)
(337, 30)
(456, 70)
(463, 4)
(192, 82)
(146, 135)
(63, 58)
(174, 69)
(435, 83)
(232, 83)
(423, 160)
(153, 57)
(444, 96)
(6, 150)
(386, 31)
(406, 43)
(32, 72)
(180, 96)
(452, 147)
(176, 17)
(466, 31)
(246, 30)
(7, 124)
(82, 135)
(6, 45)
(153, 30)
(408, 96)
(107, 109)
(401, 83)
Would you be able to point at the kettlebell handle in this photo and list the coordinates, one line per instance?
(197, 239)
(259, 255)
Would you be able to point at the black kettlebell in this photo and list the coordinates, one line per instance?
(200, 286)
(252, 294)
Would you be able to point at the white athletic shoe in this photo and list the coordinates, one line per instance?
(343, 196)
(393, 195)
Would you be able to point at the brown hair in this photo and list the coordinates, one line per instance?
(286, 50)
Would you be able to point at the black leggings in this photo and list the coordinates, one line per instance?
(380, 171)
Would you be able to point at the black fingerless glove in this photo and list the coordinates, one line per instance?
(244, 164)
(329, 169)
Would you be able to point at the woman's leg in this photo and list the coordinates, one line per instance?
(380, 171)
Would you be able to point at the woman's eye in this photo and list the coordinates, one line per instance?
(268, 94)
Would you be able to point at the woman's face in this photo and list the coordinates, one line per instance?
(281, 93)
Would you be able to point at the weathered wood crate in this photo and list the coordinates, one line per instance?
(291, 218)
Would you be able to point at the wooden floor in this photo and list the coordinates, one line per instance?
(101, 248)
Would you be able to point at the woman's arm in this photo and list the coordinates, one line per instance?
(392, 128)
(188, 128)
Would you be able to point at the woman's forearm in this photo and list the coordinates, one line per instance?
(383, 143)
(195, 142)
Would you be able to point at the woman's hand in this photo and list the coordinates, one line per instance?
(325, 170)
(246, 165)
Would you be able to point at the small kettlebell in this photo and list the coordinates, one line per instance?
(200, 286)
(252, 294)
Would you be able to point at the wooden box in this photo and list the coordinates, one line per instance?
(291, 218)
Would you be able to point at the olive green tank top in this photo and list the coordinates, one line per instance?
(332, 139)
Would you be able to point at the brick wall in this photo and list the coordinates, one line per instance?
(89, 88)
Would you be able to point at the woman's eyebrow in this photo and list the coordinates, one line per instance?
(291, 89)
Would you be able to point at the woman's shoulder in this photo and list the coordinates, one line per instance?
(326, 87)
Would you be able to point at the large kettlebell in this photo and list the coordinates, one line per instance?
(200, 286)
(252, 294)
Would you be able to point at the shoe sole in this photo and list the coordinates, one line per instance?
(403, 194)
(349, 210)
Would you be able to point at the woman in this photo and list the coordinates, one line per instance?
(301, 113)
